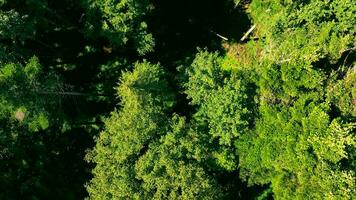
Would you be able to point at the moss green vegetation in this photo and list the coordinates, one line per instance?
(154, 100)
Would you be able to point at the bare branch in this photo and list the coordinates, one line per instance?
(248, 33)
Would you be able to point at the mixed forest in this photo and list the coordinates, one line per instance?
(178, 99)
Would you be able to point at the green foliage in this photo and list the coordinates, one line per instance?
(142, 153)
(171, 173)
(284, 83)
(122, 22)
(300, 145)
(14, 30)
(225, 104)
(204, 75)
(265, 194)
(13, 26)
(305, 30)
(145, 98)
(299, 150)
(227, 111)
(23, 96)
(145, 86)
(276, 110)
(343, 93)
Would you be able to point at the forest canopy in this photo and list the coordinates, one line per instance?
(181, 99)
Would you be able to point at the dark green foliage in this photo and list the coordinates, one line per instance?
(269, 116)
(33, 154)
(25, 94)
(121, 22)
(42, 165)
(14, 30)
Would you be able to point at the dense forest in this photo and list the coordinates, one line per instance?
(178, 99)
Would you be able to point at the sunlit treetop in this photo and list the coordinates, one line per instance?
(305, 30)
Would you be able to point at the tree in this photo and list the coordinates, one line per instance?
(37, 109)
(170, 170)
(122, 22)
(34, 136)
(25, 94)
(298, 150)
(203, 76)
(145, 99)
(143, 153)
(302, 30)
(275, 109)
(300, 145)
(225, 105)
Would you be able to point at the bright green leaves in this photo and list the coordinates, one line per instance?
(305, 31)
(299, 153)
(283, 83)
(144, 98)
(343, 93)
(329, 144)
(224, 102)
(142, 153)
(227, 111)
(204, 75)
(301, 144)
(123, 22)
(273, 113)
(129, 132)
(145, 87)
(167, 172)
(296, 146)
